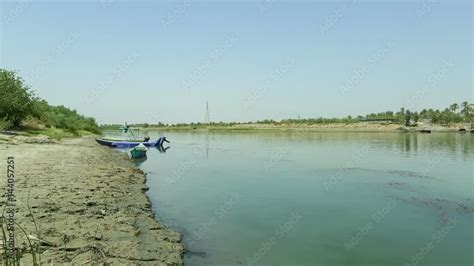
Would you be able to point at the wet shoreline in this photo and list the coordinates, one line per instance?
(89, 204)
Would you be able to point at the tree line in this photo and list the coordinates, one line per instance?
(19, 104)
(455, 113)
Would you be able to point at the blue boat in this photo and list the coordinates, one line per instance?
(130, 144)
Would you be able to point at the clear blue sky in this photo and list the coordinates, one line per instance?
(161, 61)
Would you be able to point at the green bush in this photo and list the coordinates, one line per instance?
(17, 102)
(5, 124)
(15, 98)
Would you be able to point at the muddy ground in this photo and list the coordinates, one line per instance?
(88, 202)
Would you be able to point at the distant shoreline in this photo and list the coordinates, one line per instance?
(329, 127)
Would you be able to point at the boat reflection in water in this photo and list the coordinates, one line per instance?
(162, 149)
(138, 161)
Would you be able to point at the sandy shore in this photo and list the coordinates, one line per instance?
(89, 203)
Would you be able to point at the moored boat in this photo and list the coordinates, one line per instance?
(123, 139)
(129, 144)
(132, 135)
(138, 151)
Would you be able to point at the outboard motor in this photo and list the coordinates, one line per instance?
(161, 141)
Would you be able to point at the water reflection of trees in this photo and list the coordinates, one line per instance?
(452, 144)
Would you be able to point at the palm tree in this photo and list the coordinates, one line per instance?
(407, 118)
(454, 107)
(416, 117)
(401, 114)
(465, 107)
(466, 110)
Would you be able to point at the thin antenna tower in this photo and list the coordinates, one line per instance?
(207, 119)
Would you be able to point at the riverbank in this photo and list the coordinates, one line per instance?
(326, 127)
(52, 133)
(88, 202)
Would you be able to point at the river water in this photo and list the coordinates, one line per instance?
(317, 198)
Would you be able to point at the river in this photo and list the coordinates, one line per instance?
(317, 198)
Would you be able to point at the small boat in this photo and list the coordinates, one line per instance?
(131, 135)
(122, 139)
(138, 151)
(130, 144)
(425, 131)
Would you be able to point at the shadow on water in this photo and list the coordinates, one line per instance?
(408, 192)
(403, 173)
(190, 253)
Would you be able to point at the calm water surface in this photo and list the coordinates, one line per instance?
(317, 198)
